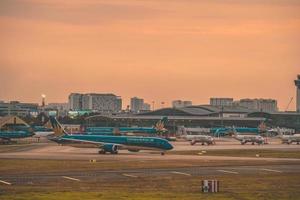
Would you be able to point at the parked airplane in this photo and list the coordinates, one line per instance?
(197, 135)
(110, 144)
(288, 139)
(248, 138)
(203, 139)
(39, 131)
(6, 136)
(159, 127)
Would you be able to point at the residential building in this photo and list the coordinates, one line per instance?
(221, 101)
(136, 104)
(106, 103)
(75, 101)
(263, 105)
(181, 104)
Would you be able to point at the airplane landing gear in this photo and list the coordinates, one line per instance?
(101, 151)
(162, 153)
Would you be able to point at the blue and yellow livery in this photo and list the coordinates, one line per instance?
(111, 144)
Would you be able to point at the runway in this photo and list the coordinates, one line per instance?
(111, 175)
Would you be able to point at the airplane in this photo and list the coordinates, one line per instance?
(288, 139)
(39, 131)
(6, 136)
(108, 143)
(248, 138)
(156, 129)
(196, 136)
(203, 139)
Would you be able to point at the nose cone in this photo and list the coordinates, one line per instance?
(168, 146)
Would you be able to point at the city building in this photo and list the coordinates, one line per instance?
(221, 101)
(106, 103)
(263, 105)
(297, 84)
(18, 109)
(75, 101)
(181, 104)
(61, 109)
(136, 104)
(146, 107)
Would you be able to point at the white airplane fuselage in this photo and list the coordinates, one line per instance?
(203, 139)
(250, 138)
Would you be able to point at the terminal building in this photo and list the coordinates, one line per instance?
(205, 116)
(17, 108)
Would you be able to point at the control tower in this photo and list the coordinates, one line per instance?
(297, 83)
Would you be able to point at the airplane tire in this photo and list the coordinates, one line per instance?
(162, 153)
(101, 152)
(202, 144)
(253, 143)
(298, 143)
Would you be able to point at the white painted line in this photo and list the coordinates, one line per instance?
(271, 170)
(70, 178)
(229, 172)
(129, 175)
(4, 182)
(181, 173)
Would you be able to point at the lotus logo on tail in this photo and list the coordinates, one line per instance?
(160, 125)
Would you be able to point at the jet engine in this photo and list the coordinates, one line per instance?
(111, 148)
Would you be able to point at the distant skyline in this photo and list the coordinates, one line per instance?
(155, 49)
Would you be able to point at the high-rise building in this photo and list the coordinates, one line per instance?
(146, 107)
(75, 101)
(102, 102)
(263, 105)
(108, 103)
(136, 104)
(297, 84)
(61, 108)
(181, 104)
(221, 101)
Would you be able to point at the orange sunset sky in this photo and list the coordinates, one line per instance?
(160, 50)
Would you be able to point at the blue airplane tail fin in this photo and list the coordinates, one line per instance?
(57, 127)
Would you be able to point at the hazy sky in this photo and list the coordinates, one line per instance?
(156, 49)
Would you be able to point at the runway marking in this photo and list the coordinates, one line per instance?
(229, 172)
(70, 178)
(4, 182)
(271, 170)
(129, 175)
(181, 173)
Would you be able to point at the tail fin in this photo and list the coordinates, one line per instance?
(57, 127)
(160, 125)
(235, 133)
(262, 127)
(279, 131)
